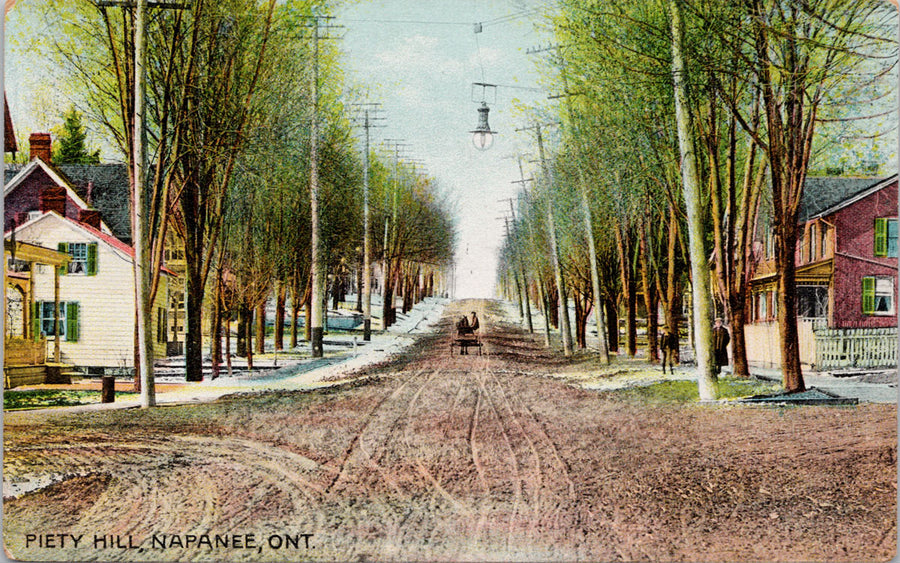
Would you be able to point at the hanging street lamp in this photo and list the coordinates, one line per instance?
(482, 136)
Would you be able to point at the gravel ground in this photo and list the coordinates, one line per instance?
(434, 456)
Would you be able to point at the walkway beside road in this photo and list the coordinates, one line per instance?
(349, 354)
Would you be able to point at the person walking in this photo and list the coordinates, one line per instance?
(668, 345)
(721, 338)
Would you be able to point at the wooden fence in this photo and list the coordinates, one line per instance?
(856, 347)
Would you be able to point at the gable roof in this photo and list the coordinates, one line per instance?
(824, 195)
(51, 172)
(123, 249)
(59, 178)
(110, 192)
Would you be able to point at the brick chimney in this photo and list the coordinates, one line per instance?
(40, 146)
(53, 199)
(89, 217)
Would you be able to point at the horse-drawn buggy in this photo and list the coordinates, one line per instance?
(466, 335)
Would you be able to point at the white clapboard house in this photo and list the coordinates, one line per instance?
(96, 292)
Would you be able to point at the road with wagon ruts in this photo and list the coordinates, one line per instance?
(440, 456)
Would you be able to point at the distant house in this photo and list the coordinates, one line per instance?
(846, 281)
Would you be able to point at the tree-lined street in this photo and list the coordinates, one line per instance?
(291, 190)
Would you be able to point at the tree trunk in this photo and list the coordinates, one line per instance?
(544, 306)
(612, 324)
(650, 301)
(387, 307)
(193, 338)
(242, 330)
(707, 380)
(228, 344)
(136, 356)
(553, 305)
(248, 330)
(261, 327)
(295, 310)
(359, 288)
(631, 317)
(626, 276)
(216, 342)
(787, 310)
(280, 299)
(738, 340)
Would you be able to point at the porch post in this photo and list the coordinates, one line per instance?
(28, 312)
(56, 355)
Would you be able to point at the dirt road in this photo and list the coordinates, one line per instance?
(446, 457)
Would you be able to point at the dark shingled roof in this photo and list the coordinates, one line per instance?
(110, 192)
(822, 193)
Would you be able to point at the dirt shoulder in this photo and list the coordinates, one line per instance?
(440, 456)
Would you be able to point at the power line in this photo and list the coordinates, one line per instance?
(502, 19)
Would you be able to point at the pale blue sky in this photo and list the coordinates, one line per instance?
(422, 73)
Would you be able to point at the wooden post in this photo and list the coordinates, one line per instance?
(56, 353)
(108, 391)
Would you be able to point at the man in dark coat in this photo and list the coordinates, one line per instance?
(668, 346)
(721, 338)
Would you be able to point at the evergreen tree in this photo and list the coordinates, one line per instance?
(71, 148)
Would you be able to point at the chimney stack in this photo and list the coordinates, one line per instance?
(53, 199)
(40, 146)
(90, 217)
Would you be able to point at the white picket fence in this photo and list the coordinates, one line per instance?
(856, 347)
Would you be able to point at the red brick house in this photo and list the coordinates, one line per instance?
(846, 277)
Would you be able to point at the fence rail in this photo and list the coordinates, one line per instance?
(856, 347)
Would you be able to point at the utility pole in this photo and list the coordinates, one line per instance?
(141, 240)
(554, 247)
(142, 265)
(386, 296)
(521, 260)
(319, 278)
(515, 274)
(542, 305)
(367, 243)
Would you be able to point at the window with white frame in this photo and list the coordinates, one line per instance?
(878, 295)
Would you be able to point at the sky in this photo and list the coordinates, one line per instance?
(419, 60)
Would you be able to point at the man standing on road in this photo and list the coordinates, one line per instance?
(721, 338)
(668, 345)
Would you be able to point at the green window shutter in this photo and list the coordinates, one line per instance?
(36, 320)
(92, 259)
(868, 295)
(891, 249)
(72, 328)
(880, 236)
(64, 248)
